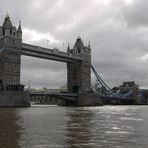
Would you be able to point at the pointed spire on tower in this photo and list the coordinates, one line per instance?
(7, 22)
(68, 45)
(7, 15)
(78, 38)
(68, 48)
(19, 27)
(89, 44)
(79, 43)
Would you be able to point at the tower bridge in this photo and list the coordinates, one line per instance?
(78, 61)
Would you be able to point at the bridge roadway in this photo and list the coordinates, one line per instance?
(65, 96)
(51, 54)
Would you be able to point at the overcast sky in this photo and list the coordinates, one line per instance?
(116, 29)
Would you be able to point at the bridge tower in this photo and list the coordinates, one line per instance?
(11, 91)
(79, 73)
(10, 54)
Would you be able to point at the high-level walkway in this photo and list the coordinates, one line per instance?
(46, 53)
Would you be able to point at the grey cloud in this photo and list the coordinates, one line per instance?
(43, 73)
(115, 31)
(136, 14)
(32, 63)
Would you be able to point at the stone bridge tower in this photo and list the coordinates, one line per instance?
(79, 73)
(11, 91)
(10, 55)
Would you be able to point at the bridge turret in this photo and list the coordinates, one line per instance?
(7, 26)
(19, 31)
(10, 36)
(68, 49)
(79, 46)
(89, 47)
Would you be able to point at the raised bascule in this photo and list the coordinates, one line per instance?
(78, 62)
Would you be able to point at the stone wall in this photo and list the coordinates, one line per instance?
(14, 99)
(73, 77)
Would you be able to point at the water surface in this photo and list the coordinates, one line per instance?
(74, 127)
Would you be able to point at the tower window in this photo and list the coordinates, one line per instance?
(3, 32)
(14, 42)
(78, 50)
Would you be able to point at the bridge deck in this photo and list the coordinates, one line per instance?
(51, 54)
(65, 96)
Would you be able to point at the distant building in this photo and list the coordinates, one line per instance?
(62, 89)
(131, 89)
(126, 86)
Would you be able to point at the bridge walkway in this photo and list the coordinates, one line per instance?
(46, 53)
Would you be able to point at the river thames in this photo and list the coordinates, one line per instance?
(74, 127)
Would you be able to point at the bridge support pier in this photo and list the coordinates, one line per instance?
(66, 103)
(89, 100)
(14, 99)
(82, 100)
